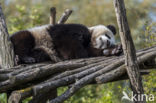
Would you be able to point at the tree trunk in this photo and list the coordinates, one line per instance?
(6, 47)
(129, 50)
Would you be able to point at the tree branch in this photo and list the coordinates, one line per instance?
(52, 15)
(65, 16)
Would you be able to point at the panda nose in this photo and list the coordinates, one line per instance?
(108, 43)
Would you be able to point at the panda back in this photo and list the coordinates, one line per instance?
(72, 31)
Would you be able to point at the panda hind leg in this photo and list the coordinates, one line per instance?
(51, 53)
(81, 51)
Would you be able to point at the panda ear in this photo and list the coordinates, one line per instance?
(91, 29)
(112, 28)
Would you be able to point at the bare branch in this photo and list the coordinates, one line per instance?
(65, 16)
(52, 15)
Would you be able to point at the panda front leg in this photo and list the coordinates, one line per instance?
(28, 60)
(24, 58)
(50, 52)
(116, 50)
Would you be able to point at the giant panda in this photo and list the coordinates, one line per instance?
(103, 41)
(51, 42)
(61, 42)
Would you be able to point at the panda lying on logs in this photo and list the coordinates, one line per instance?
(61, 42)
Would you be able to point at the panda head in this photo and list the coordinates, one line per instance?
(102, 36)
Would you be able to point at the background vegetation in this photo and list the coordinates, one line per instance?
(22, 14)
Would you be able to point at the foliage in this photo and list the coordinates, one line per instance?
(3, 98)
(22, 14)
(150, 84)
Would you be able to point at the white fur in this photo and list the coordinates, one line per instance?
(100, 40)
(40, 30)
(41, 35)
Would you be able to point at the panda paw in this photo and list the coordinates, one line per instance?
(17, 60)
(117, 50)
(55, 58)
(113, 51)
(29, 60)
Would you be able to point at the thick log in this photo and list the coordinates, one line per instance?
(6, 47)
(19, 95)
(121, 70)
(31, 68)
(37, 73)
(74, 71)
(125, 76)
(71, 79)
(132, 66)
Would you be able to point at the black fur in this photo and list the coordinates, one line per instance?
(112, 28)
(24, 44)
(70, 40)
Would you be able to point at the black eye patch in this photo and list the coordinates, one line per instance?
(108, 36)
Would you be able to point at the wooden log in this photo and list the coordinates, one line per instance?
(132, 66)
(45, 97)
(70, 79)
(37, 73)
(86, 80)
(73, 82)
(19, 95)
(32, 74)
(6, 47)
(125, 76)
(92, 64)
(31, 68)
(121, 70)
